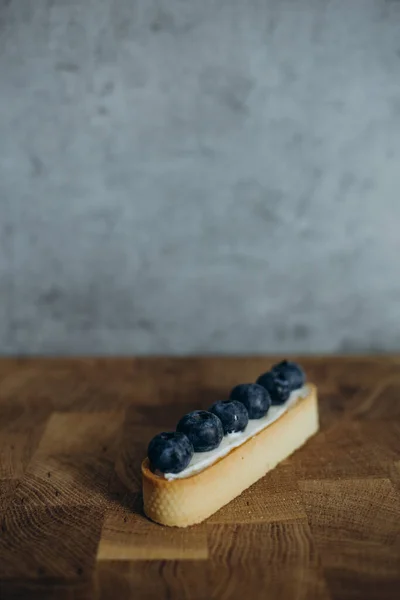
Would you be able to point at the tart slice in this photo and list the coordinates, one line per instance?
(214, 455)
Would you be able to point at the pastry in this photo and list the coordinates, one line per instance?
(214, 455)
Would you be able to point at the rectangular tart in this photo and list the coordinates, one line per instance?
(188, 500)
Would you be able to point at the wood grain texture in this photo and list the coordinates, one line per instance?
(324, 525)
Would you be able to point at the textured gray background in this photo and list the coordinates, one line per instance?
(199, 176)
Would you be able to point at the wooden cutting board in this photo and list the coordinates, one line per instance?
(325, 524)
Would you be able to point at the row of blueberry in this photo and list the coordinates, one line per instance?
(201, 430)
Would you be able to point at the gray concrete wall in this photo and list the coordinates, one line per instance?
(199, 176)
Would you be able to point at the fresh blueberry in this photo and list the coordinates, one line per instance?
(292, 372)
(204, 430)
(233, 415)
(170, 452)
(255, 398)
(276, 385)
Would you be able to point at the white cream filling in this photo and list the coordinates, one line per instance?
(201, 460)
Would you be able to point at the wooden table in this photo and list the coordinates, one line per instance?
(325, 524)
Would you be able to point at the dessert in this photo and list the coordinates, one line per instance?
(214, 455)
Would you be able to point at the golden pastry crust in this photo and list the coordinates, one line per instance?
(190, 500)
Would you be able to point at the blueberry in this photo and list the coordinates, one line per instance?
(170, 452)
(292, 372)
(276, 385)
(255, 398)
(233, 415)
(203, 429)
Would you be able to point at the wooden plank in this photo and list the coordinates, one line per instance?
(356, 527)
(133, 442)
(340, 451)
(362, 570)
(52, 526)
(21, 426)
(49, 543)
(277, 560)
(74, 385)
(282, 543)
(394, 474)
(275, 497)
(171, 579)
(128, 535)
(7, 490)
(73, 432)
(42, 589)
(74, 460)
(352, 509)
(15, 453)
(260, 581)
